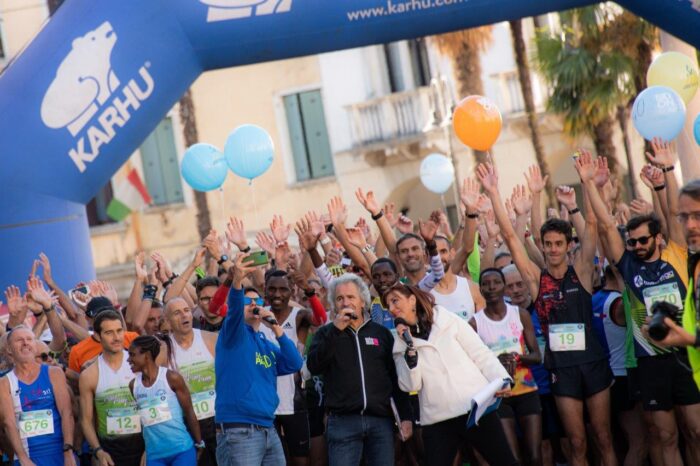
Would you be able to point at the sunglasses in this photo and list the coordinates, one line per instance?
(643, 240)
(248, 301)
(44, 356)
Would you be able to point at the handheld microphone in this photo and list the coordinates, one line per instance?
(268, 319)
(406, 335)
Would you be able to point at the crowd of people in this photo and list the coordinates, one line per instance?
(365, 345)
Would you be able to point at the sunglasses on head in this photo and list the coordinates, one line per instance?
(248, 301)
(643, 240)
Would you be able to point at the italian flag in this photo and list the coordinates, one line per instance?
(130, 195)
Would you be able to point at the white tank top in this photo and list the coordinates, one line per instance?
(615, 335)
(460, 301)
(196, 365)
(285, 383)
(114, 405)
(501, 335)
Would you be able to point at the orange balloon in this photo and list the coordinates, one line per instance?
(477, 122)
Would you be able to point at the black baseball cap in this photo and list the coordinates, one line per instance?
(97, 305)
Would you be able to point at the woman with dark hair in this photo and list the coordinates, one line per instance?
(164, 404)
(447, 365)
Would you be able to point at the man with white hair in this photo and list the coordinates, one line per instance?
(36, 405)
(353, 354)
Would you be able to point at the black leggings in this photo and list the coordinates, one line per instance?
(442, 440)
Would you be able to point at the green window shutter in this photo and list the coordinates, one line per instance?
(160, 165)
(296, 136)
(151, 170)
(170, 168)
(317, 143)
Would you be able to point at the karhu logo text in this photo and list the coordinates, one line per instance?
(225, 10)
(84, 84)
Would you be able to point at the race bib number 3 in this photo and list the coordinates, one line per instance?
(154, 411)
(35, 423)
(567, 337)
(668, 293)
(123, 421)
(203, 404)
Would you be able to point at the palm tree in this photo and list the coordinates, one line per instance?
(465, 48)
(521, 60)
(588, 78)
(637, 39)
(189, 130)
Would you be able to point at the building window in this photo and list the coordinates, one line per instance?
(308, 135)
(420, 62)
(418, 65)
(161, 169)
(97, 207)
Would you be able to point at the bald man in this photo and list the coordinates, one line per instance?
(193, 352)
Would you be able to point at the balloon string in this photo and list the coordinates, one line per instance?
(223, 208)
(255, 204)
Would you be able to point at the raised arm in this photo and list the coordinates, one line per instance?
(653, 178)
(530, 272)
(386, 230)
(536, 184)
(428, 230)
(665, 158)
(43, 298)
(469, 195)
(233, 328)
(338, 213)
(586, 168)
(63, 300)
(181, 282)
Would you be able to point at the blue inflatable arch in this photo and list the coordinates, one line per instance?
(102, 73)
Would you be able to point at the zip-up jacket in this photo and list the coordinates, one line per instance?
(359, 374)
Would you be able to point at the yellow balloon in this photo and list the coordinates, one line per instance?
(677, 71)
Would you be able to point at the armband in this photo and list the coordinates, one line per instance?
(660, 187)
(574, 211)
(670, 168)
(149, 292)
(379, 215)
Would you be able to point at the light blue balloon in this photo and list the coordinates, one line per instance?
(249, 151)
(658, 111)
(696, 129)
(203, 167)
(437, 173)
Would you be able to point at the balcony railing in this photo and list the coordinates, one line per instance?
(397, 116)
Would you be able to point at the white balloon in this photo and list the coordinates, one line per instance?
(437, 173)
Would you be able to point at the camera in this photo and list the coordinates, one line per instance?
(660, 310)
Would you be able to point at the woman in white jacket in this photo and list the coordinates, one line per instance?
(448, 365)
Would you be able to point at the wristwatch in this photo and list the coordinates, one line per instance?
(223, 259)
(200, 446)
(95, 451)
(68, 447)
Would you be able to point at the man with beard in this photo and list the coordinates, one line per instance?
(653, 275)
(291, 416)
(193, 351)
(206, 289)
(108, 412)
(456, 293)
(562, 293)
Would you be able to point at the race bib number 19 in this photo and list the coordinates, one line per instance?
(567, 337)
(35, 423)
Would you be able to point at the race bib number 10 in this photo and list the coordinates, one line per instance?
(35, 423)
(567, 337)
(203, 404)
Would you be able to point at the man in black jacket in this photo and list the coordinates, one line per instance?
(354, 356)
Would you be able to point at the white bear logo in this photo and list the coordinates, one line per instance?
(84, 81)
(223, 10)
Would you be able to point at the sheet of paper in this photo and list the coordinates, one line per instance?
(485, 401)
